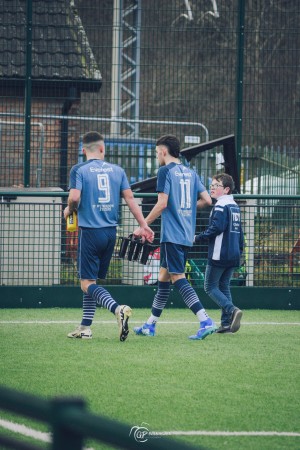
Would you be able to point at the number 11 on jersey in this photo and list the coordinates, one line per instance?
(185, 202)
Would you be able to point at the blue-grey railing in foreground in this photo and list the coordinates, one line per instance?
(71, 424)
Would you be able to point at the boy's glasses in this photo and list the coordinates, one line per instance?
(215, 186)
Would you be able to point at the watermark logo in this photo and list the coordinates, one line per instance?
(142, 433)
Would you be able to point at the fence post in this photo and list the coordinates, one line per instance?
(239, 82)
(63, 438)
(28, 80)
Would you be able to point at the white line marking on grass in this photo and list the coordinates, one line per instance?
(229, 433)
(26, 431)
(104, 322)
(47, 437)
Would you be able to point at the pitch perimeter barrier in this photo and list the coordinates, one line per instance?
(71, 424)
(38, 256)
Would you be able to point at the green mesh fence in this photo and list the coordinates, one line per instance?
(36, 249)
(135, 70)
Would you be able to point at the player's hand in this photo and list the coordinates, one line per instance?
(145, 233)
(66, 212)
(196, 239)
(149, 233)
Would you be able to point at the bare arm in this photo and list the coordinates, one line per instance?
(155, 212)
(137, 213)
(162, 203)
(204, 200)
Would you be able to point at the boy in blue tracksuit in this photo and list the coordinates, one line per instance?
(225, 246)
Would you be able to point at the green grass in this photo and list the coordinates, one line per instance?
(248, 381)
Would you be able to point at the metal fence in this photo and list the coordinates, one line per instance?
(36, 249)
(135, 70)
(71, 425)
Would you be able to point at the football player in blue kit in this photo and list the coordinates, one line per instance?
(96, 187)
(180, 193)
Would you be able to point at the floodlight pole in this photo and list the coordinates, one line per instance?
(115, 69)
(125, 97)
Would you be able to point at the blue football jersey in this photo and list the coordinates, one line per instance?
(183, 187)
(101, 185)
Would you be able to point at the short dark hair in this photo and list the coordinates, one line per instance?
(91, 137)
(226, 180)
(172, 144)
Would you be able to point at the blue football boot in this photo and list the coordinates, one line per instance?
(145, 330)
(206, 327)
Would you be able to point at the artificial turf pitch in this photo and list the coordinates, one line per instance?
(226, 389)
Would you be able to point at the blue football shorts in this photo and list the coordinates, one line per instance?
(95, 249)
(173, 257)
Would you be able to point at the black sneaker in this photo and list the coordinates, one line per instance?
(223, 329)
(236, 320)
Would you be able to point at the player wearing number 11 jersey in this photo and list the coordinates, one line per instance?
(180, 192)
(95, 190)
(182, 186)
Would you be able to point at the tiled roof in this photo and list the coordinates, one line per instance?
(60, 48)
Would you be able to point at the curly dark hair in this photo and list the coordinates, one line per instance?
(172, 144)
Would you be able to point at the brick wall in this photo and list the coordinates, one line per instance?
(45, 147)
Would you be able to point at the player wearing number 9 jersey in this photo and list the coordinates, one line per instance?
(180, 192)
(101, 185)
(95, 190)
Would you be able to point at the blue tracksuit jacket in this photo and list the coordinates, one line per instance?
(224, 233)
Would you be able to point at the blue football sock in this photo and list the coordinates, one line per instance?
(89, 308)
(161, 298)
(189, 295)
(102, 297)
